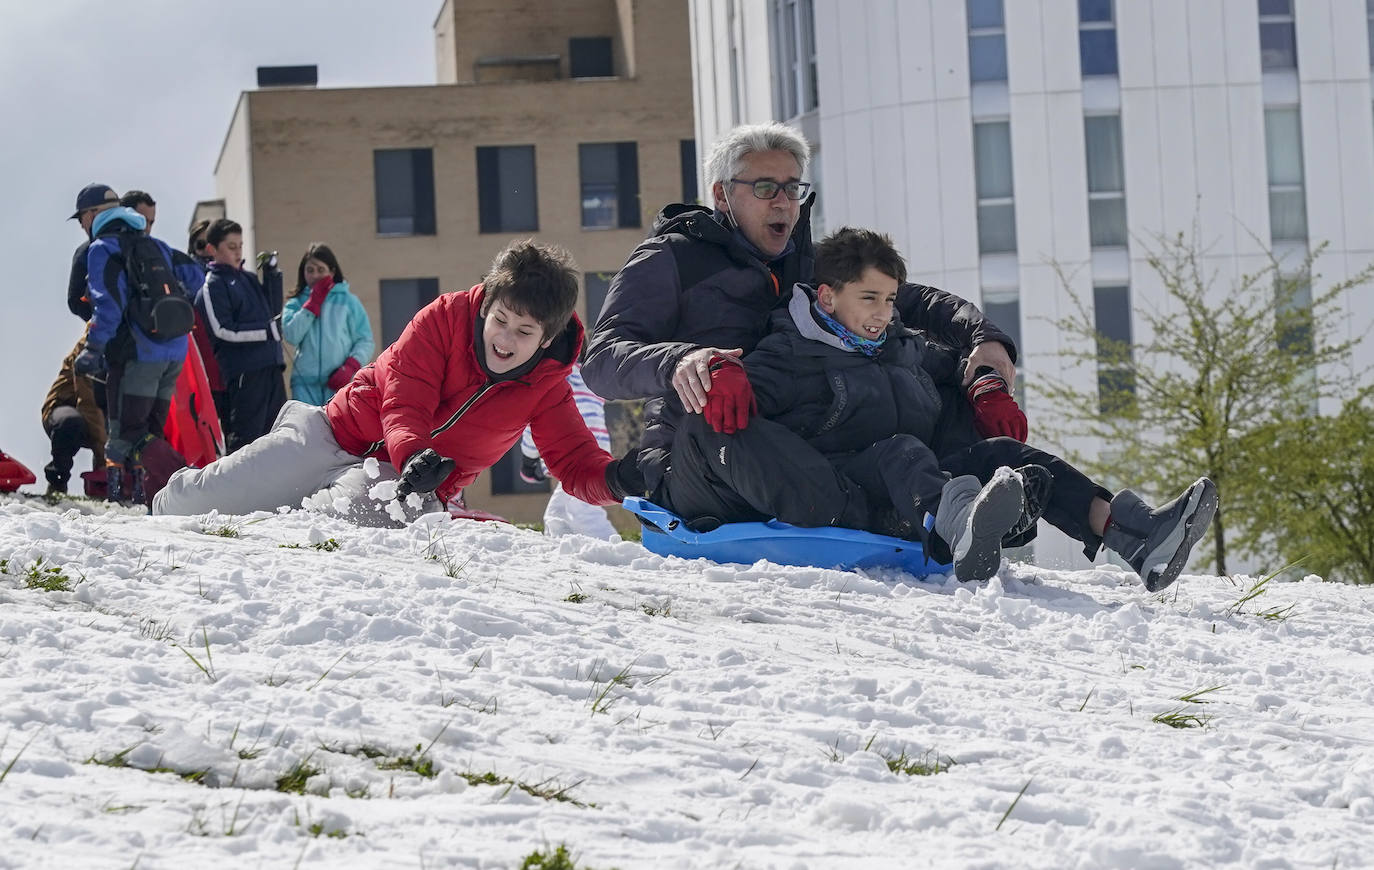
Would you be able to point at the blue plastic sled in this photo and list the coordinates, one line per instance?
(828, 547)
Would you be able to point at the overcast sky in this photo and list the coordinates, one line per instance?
(139, 95)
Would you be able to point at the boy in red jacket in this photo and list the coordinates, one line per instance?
(447, 400)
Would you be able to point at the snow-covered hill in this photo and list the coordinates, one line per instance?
(460, 694)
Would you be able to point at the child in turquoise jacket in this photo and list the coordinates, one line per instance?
(327, 325)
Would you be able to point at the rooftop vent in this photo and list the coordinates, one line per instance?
(288, 76)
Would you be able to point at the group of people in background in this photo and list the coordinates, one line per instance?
(155, 314)
(811, 382)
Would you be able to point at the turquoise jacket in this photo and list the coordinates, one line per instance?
(323, 343)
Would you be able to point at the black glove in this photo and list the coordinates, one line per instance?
(91, 361)
(532, 469)
(424, 472)
(624, 478)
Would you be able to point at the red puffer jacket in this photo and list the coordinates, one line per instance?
(428, 390)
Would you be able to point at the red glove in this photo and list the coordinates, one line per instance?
(317, 294)
(343, 374)
(730, 401)
(995, 412)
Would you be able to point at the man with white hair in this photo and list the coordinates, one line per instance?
(698, 293)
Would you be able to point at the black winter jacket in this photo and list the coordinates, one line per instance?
(840, 400)
(692, 284)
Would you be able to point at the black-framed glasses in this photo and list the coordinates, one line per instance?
(767, 188)
(201, 244)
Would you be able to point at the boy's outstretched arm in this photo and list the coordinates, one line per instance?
(569, 449)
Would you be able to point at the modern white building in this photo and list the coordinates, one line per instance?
(1004, 144)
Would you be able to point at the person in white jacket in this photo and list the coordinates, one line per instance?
(566, 515)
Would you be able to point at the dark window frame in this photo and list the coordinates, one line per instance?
(491, 216)
(388, 206)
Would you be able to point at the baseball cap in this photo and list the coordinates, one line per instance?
(94, 196)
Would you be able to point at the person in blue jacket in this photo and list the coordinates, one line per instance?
(327, 325)
(242, 315)
(140, 370)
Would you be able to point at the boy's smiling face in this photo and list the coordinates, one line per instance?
(509, 339)
(863, 306)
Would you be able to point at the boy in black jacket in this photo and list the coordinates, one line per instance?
(242, 316)
(849, 413)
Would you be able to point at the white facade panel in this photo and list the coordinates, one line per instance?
(916, 46)
(881, 50)
(1025, 65)
(1204, 31)
(957, 202)
(1241, 46)
(887, 173)
(1142, 155)
(949, 32)
(1058, 45)
(1247, 163)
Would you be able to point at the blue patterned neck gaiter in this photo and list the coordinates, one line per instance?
(850, 339)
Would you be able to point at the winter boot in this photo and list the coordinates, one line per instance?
(972, 521)
(115, 483)
(1037, 481)
(1156, 541)
(134, 476)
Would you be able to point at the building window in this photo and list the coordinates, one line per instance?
(401, 299)
(505, 476)
(687, 154)
(1278, 42)
(596, 286)
(1096, 38)
(987, 42)
(992, 166)
(1112, 319)
(794, 72)
(506, 197)
(610, 185)
(404, 183)
(590, 57)
(1002, 308)
(1106, 181)
(1287, 198)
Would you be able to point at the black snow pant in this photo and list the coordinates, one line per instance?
(253, 400)
(768, 471)
(139, 396)
(67, 431)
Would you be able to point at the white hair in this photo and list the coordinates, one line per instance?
(726, 159)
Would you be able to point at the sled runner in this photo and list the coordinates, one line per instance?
(13, 473)
(667, 535)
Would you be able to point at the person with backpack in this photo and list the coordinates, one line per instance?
(328, 326)
(242, 313)
(140, 316)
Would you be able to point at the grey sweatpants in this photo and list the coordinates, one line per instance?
(296, 464)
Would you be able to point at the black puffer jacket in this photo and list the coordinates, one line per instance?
(692, 284)
(840, 400)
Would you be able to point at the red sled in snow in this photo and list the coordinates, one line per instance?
(193, 426)
(13, 473)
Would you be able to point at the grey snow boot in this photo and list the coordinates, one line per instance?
(972, 520)
(1156, 541)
